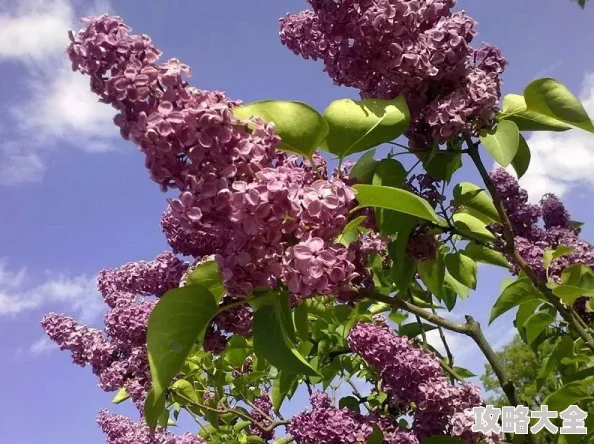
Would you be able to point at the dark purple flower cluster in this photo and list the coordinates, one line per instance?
(386, 48)
(121, 430)
(263, 406)
(412, 376)
(324, 424)
(239, 197)
(533, 240)
(421, 245)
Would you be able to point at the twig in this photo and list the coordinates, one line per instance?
(510, 247)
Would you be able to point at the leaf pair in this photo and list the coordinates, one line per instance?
(347, 126)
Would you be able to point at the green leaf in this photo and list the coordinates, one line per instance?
(153, 408)
(462, 268)
(432, 274)
(350, 402)
(281, 386)
(580, 276)
(522, 159)
(414, 329)
(515, 109)
(364, 169)
(186, 391)
(550, 255)
(350, 233)
(301, 128)
(485, 255)
(209, 276)
(516, 293)
(536, 324)
(567, 395)
(121, 396)
(301, 321)
(390, 173)
(551, 98)
(271, 342)
(442, 166)
(356, 126)
(282, 305)
(503, 142)
(395, 199)
(552, 362)
(178, 320)
(471, 196)
(463, 372)
(576, 280)
(525, 310)
(456, 286)
(472, 227)
(377, 436)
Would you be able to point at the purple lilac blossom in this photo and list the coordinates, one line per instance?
(264, 404)
(122, 430)
(390, 47)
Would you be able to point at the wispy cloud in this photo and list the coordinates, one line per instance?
(56, 292)
(56, 107)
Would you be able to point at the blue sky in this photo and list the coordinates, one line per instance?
(74, 198)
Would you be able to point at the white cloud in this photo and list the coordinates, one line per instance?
(77, 295)
(561, 161)
(42, 346)
(55, 107)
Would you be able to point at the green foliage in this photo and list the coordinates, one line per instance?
(503, 142)
(522, 159)
(485, 255)
(356, 126)
(178, 320)
(469, 195)
(472, 227)
(121, 396)
(209, 276)
(516, 110)
(462, 268)
(395, 199)
(301, 128)
(272, 342)
(518, 292)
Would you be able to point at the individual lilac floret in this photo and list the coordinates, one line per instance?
(122, 430)
(264, 404)
(328, 425)
(461, 428)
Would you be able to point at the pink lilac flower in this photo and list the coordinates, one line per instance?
(144, 278)
(390, 47)
(410, 375)
(119, 429)
(461, 428)
(264, 405)
(328, 425)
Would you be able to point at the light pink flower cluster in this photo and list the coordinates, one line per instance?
(240, 198)
(409, 375)
(121, 430)
(417, 48)
(117, 355)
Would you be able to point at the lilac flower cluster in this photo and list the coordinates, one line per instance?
(263, 404)
(325, 424)
(390, 47)
(239, 198)
(121, 430)
(411, 376)
(533, 240)
(461, 428)
(117, 355)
